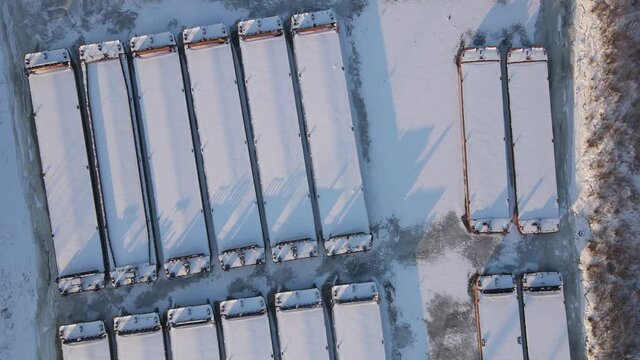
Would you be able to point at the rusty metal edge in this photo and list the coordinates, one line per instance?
(210, 42)
(318, 28)
(259, 35)
(141, 53)
(48, 67)
(464, 146)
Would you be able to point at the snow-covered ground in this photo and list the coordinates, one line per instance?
(403, 84)
(607, 138)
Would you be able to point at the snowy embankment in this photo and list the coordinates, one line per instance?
(20, 263)
(607, 106)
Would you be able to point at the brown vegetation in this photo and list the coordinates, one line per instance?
(610, 154)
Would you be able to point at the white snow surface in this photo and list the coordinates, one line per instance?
(295, 299)
(484, 140)
(91, 349)
(301, 325)
(193, 333)
(20, 258)
(276, 132)
(65, 168)
(402, 78)
(358, 330)
(545, 318)
(242, 307)
(256, 28)
(605, 64)
(120, 180)
(329, 127)
(499, 318)
(246, 331)
(357, 322)
(533, 147)
(313, 21)
(83, 341)
(169, 145)
(194, 342)
(139, 337)
(225, 154)
(148, 345)
(80, 331)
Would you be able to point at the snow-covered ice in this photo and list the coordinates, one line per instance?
(329, 130)
(533, 144)
(485, 158)
(276, 131)
(170, 152)
(192, 333)
(108, 91)
(218, 111)
(65, 171)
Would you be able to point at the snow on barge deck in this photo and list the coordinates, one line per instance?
(498, 317)
(302, 333)
(139, 336)
(330, 133)
(276, 131)
(545, 316)
(65, 171)
(169, 146)
(218, 111)
(356, 321)
(533, 146)
(245, 327)
(110, 109)
(484, 147)
(192, 332)
(86, 340)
